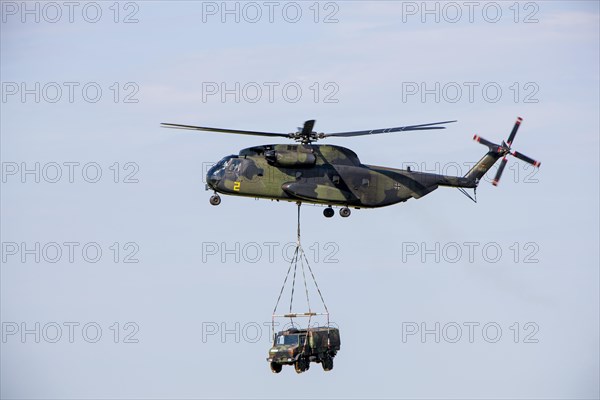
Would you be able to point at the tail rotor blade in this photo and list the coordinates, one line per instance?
(499, 173)
(503, 150)
(485, 142)
(523, 157)
(513, 133)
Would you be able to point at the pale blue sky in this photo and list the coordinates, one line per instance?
(370, 55)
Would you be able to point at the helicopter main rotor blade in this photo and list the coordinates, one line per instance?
(308, 127)
(222, 130)
(421, 127)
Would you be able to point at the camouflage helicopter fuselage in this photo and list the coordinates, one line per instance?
(328, 175)
(333, 175)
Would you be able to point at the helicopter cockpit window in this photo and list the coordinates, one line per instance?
(219, 169)
(234, 165)
(224, 161)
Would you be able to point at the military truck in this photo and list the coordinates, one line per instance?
(300, 347)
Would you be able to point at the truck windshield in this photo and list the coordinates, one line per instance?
(286, 339)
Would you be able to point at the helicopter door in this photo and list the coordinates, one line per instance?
(368, 189)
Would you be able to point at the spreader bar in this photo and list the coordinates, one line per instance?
(296, 315)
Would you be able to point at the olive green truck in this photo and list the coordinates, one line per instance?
(300, 347)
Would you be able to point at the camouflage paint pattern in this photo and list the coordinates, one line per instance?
(318, 343)
(329, 175)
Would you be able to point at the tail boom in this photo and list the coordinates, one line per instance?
(482, 166)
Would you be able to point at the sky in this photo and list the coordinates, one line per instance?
(120, 280)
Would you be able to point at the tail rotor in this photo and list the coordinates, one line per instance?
(504, 150)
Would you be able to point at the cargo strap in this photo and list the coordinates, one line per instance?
(299, 257)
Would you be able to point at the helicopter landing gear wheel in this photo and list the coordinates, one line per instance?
(328, 212)
(345, 212)
(215, 200)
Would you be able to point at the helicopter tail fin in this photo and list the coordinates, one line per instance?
(482, 166)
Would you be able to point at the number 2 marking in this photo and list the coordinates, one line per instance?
(236, 186)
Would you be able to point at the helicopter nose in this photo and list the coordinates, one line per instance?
(212, 182)
(211, 178)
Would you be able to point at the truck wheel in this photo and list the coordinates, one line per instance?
(301, 365)
(276, 367)
(327, 363)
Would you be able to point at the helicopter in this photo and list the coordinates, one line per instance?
(331, 175)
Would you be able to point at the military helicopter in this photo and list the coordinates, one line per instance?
(333, 175)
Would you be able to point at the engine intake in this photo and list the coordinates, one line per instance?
(291, 159)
